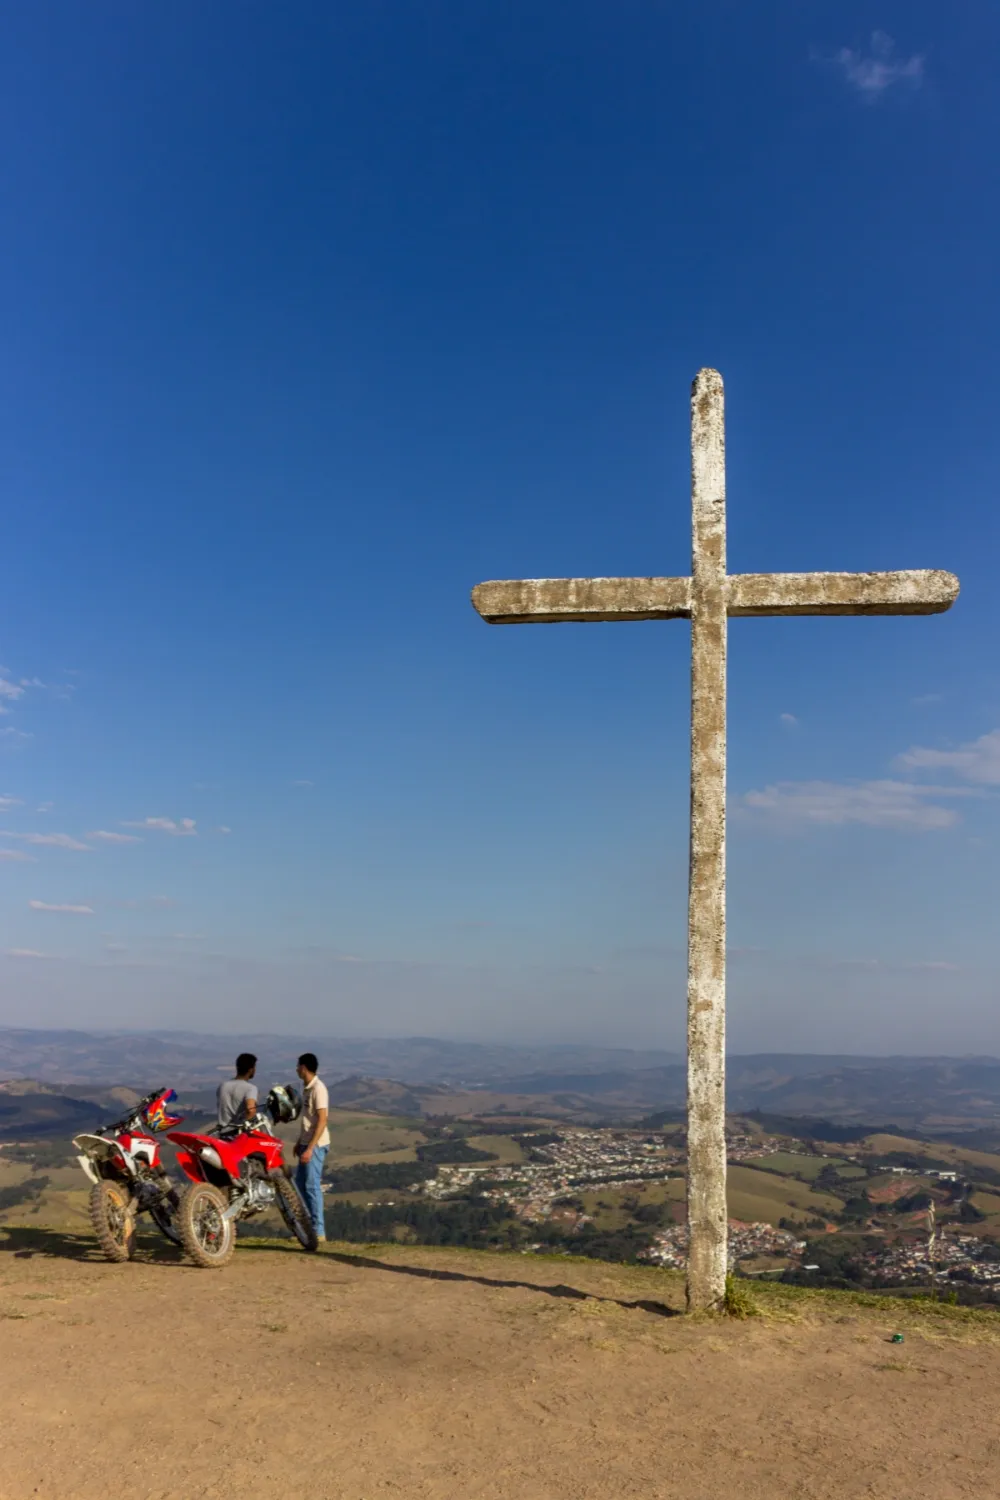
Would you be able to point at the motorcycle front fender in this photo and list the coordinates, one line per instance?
(191, 1166)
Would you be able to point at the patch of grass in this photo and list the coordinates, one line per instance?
(501, 1145)
(737, 1302)
(790, 1164)
(765, 1197)
(275, 1327)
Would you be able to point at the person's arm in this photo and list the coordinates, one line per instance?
(250, 1102)
(322, 1111)
(318, 1130)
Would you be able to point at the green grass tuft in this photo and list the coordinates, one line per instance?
(737, 1302)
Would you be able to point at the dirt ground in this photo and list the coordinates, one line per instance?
(454, 1375)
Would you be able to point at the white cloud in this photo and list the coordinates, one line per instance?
(158, 903)
(10, 689)
(24, 953)
(790, 720)
(880, 68)
(186, 828)
(51, 840)
(45, 807)
(64, 906)
(114, 838)
(7, 802)
(977, 761)
(876, 804)
(9, 856)
(223, 829)
(303, 783)
(923, 700)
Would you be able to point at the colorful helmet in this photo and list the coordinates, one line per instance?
(155, 1112)
(283, 1104)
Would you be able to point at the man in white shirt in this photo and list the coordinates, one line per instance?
(313, 1142)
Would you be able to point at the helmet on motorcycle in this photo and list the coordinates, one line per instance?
(283, 1104)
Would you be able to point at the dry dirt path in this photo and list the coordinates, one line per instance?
(406, 1372)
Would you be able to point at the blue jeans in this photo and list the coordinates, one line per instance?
(308, 1176)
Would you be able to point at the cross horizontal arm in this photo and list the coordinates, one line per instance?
(542, 600)
(923, 591)
(523, 601)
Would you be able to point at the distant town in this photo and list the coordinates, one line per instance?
(835, 1216)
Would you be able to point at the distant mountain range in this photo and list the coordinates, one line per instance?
(421, 1075)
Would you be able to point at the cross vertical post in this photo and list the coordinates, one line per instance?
(706, 996)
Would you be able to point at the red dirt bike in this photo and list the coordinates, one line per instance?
(128, 1176)
(237, 1175)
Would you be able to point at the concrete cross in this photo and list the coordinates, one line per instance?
(707, 598)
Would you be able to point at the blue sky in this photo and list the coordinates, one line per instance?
(315, 316)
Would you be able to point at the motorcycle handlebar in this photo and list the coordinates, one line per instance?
(133, 1114)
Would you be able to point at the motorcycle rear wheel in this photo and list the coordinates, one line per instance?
(295, 1213)
(207, 1237)
(113, 1220)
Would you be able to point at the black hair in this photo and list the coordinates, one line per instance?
(309, 1060)
(244, 1063)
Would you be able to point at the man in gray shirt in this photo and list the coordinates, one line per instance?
(236, 1099)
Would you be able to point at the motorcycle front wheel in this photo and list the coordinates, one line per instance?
(207, 1237)
(295, 1213)
(113, 1220)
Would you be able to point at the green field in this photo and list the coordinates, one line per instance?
(502, 1146)
(62, 1204)
(790, 1164)
(987, 1203)
(934, 1150)
(357, 1137)
(762, 1197)
(753, 1196)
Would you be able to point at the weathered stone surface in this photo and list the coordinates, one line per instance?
(542, 600)
(522, 601)
(709, 597)
(706, 1035)
(923, 591)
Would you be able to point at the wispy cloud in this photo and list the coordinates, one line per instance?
(10, 856)
(924, 700)
(977, 761)
(62, 906)
(185, 828)
(155, 903)
(7, 802)
(303, 782)
(114, 838)
(789, 720)
(45, 807)
(24, 953)
(9, 691)
(222, 828)
(50, 840)
(873, 71)
(876, 804)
